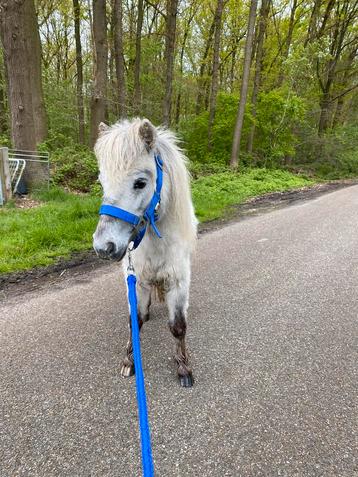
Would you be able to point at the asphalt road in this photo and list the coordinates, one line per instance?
(273, 340)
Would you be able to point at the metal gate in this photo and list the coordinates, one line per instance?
(31, 167)
(17, 167)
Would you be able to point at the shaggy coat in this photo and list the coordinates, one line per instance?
(125, 153)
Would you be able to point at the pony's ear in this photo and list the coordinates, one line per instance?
(102, 127)
(148, 134)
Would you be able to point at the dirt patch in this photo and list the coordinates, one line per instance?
(80, 264)
(24, 202)
(18, 283)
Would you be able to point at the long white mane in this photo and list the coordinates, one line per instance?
(119, 149)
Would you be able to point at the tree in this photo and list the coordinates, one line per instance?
(288, 41)
(35, 72)
(344, 15)
(138, 47)
(203, 67)
(170, 34)
(79, 68)
(98, 98)
(215, 70)
(190, 18)
(348, 74)
(3, 105)
(264, 12)
(244, 86)
(20, 40)
(119, 56)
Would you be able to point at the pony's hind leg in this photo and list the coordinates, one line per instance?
(144, 298)
(177, 301)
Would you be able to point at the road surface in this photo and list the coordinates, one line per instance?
(273, 340)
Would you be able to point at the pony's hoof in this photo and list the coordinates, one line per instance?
(186, 381)
(127, 370)
(145, 318)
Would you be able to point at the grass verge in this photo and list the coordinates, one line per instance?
(65, 222)
(214, 194)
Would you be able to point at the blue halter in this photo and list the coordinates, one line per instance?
(149, 216)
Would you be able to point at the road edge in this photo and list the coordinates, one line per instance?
(19, 283)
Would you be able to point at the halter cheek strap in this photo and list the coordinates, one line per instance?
(149, 216)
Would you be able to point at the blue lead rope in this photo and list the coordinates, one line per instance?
(140, 223)
(147, 459)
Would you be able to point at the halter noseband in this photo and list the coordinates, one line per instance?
(149, 216)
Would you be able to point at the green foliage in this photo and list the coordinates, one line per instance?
(72, 165)
(278, 113)
(214, 194)
(61, 108)
(195, 132)
(5, 141)
(332, 156)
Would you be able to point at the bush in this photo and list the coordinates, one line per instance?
(5, 141)
(279, 113)
(195, 132)
(332, 156)
(72, 165)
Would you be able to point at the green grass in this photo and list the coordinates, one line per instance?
(65, 222)
(38, 236)
(213, 195)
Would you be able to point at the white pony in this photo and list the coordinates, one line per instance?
(125, 153)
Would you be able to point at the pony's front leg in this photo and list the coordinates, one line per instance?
(177, 301)
(144, 298)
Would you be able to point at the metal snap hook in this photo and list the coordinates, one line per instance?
(130, 267)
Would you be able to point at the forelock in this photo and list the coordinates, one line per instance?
(118, 147)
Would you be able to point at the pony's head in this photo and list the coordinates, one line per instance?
(125, 153)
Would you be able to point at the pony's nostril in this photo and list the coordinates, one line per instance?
(110, 248)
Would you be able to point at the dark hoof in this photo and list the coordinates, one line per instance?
(145, 318)
(127, 369)
(186, 381)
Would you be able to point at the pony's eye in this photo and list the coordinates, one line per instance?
(139, 184)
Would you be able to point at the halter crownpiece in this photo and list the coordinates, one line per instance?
(150, 215)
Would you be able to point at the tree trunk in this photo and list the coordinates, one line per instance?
(338, 114)
(288, 41)
(342, 19)
(3, 105)
(215, 70)
(138, 46)
(325, 113)
(119, 56)
(344, 85)
(203, 65)
(98, 99)
(312, 26)
(181, 62)
(34, 71)
(16, 55)
(244, 86)
(79, 68)
(264, 12)
(170, 33)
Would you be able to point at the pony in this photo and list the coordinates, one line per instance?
(126, 154)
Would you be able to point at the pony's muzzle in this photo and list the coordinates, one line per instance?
(110, 252)
(111, 238)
